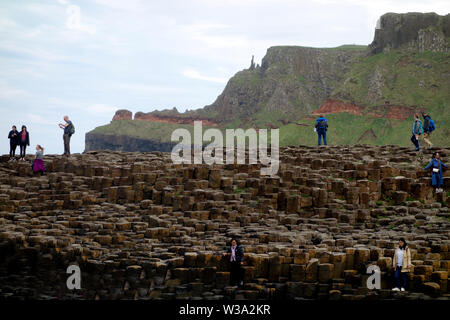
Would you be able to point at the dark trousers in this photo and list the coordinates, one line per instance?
(23, 148)
(400, 277)
(236, 273)
(66, 138)
(415, 141)
(12, 149)
(322, 133)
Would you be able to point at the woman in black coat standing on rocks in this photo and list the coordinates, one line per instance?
(24, 141)
(13, 137)
(236, 259)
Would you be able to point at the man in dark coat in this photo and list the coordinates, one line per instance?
(236, 258)
(13, 137)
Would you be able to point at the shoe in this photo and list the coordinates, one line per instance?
(396, 289)
(402, 289)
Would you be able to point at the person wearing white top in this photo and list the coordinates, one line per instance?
(402, 265)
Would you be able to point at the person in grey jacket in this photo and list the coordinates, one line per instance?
(68, 132)
(38, 162)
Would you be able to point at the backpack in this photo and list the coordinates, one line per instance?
(322, 124)
(431, 126)
(72, 129)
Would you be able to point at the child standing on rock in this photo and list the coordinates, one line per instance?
(38, 163)
(436, 176)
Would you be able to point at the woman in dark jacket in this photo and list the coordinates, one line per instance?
(436, 176)
(236, 259)
(24, 141)
(13, 137)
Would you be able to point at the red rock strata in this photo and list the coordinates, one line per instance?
(336, 106)
(128, 115)
(179, 120)
(123, 115)
(397, 112)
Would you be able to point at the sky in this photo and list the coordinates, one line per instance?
(87, 59)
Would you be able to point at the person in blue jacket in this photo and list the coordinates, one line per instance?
(436, 177)
(321, 129)
(416, 131)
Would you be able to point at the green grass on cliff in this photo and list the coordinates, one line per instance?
(344, 129)
(347, 129)
(400, 76)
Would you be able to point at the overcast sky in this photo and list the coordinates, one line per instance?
(89, 58)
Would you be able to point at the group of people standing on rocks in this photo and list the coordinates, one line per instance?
(22, 139)
(419, 129)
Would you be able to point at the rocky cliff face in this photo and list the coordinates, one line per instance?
(417, 31)
(291, 81)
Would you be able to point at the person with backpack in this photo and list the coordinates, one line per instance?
(428, 128)
(69, 130)
(436, 176)
(321, 128)
(24, 141)
(13, 137)
(416, 131)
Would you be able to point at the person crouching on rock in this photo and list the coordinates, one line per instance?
(436, 175)
(236, 254)
(402, 265)
(38, 163)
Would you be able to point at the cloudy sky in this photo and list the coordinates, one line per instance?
(89, 58)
